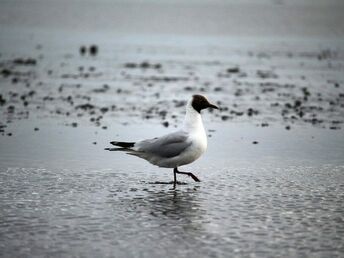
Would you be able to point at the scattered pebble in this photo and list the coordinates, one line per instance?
(225, 117)
(291, 102)
(93, 50)
(103, 89)
(28, 61)
(233, 70)
(86, 106)
(143, 65)
(82, 50)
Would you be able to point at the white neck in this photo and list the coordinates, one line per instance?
(193, 119)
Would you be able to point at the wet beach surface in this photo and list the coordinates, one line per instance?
(272, 177)
(62, 195)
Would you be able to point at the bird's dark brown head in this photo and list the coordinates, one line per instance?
(200, 102)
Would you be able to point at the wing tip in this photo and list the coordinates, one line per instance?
(123, 144)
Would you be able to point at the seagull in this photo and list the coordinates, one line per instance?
(178, 148)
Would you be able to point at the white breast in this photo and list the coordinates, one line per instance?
(194, 126)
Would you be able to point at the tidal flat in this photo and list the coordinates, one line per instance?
(272, 179)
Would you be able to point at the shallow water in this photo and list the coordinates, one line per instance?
(96, 203)
(266, 212)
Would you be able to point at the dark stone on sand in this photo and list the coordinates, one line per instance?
(188, 88)
(266, 74)
(305, 91)
(225, 117)
(9, 134)
(104, 109)
(287, 127)
(2, 100)
(93, 50)
(6, 72)
(13, 94)
(163, 113)
(179, 103)
(74, 124)
(94, 143)
(104, 127)
(28, 61)
(130, 65)
(264, 124)
(86, 106)
(14, 80)
(288, 105)
(36, 129)
(167, 78)
(48, 98)
(237, 113)
(157, 66)
(233, 70)
(10, 109)
(268, 90)
(337, 122)
(82, 50)
(103, 89)
(297, 103)
(166, 124)
(144, 65)
(251, 112)
(254, 142)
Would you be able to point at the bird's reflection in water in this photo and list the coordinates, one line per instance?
(179, 208)
(175, 203)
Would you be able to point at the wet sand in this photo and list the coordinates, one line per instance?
(272, 178)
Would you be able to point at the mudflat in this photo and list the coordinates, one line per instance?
(74, 76)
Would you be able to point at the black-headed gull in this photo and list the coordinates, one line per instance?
(175, 149)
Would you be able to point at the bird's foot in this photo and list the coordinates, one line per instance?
(194, 177)
(189, 174)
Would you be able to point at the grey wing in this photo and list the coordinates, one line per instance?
(166, 146)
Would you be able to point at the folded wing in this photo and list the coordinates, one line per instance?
(167, 146)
